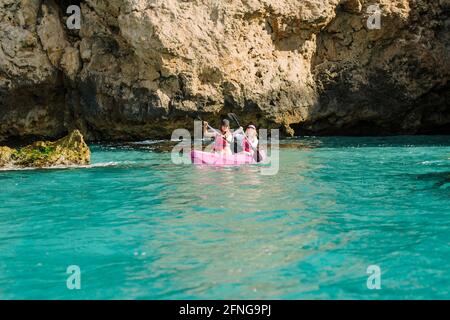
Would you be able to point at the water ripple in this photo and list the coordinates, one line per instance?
(141, 227)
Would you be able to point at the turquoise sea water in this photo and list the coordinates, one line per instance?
(140, 227)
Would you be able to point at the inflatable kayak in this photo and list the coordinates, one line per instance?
(216, 159)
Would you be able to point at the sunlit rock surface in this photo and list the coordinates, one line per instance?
(139, 69)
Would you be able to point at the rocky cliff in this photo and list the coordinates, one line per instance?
(140, 68)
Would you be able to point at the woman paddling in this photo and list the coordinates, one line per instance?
(247, 141)
(222, 139)
(250, 142)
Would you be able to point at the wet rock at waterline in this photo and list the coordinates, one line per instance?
(139, 69)
(68, 151)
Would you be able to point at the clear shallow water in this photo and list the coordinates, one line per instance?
(141, 227)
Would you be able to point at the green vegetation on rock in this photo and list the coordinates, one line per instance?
(70, 150)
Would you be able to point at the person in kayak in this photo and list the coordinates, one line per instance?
(250, 141)
(222, 139)
(246, 141)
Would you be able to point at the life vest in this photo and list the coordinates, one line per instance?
(221, 144)
(246, 146)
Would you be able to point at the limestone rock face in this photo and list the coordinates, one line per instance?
(31, 94)
(71, 150)
(141, 68)
(6, 155)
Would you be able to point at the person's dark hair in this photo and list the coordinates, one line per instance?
(225, 122)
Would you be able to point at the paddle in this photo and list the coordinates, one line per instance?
(200, 119)
(234, 117)
(256, 154)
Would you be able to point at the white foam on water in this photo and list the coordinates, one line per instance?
(434, 162)
(89, 166)
(107, 164)
(147, 142)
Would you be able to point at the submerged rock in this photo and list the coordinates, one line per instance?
(70, 150)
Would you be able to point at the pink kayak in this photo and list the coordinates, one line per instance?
(216, 159)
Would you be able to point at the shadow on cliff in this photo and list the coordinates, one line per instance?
(44, 107)
(384, 88)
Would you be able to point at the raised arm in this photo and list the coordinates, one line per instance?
(238, 131)
(206, 133)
